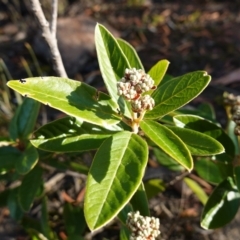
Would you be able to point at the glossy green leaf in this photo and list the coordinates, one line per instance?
(139, 201)
(213, 171)
(112, 63)
(158, 71)
(198, 143)
(186, 110)
(208, 110)
(237, 176)
(177, 92)
(131, 54)
(168, 142)
(166, 160)
(28, 160)
(123, 214)
(153, 187)
(72, 97)
(221, 206)
(74, 221)
(13, 205)
(9, 156)
(24, 120)
(115, 175)
(124, 233)
(29, 187)
(68, 165)
(69, 135)
(197, 189)
(166, 78)
(202, 125)
(204, 110)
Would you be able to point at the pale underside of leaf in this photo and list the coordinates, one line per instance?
(115, 175)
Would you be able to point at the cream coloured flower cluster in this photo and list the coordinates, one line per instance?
(234, 103)
(141, 227)
(132, 85)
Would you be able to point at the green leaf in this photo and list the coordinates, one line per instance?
(124, 233)
(123, 214)
(45, 227)
(112, 63)
(168, 142)
(208, 110)
(31, 225)
(72, 97)
(158, 71)
(70, 135)
(9, 156)
(221, 206)
(4, 197)
(139, 201)
(67, 165)
(198, 143)
(153, 187)
(24, 120)
(204, 110)
(237, 176)
(177, 92)
(13, 205)
(74, 221)
(197, 189)
(28, 160)
(204, 126)
(166, 160)
(213, 171)
(131, 54)
(29, 187)
(166, 78)
(115, 175)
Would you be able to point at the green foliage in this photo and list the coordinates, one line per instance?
(23, 122)
(74, 221)
(177, 92)
(115, 175)
(29, 187)
(70, 135)
(121, 135)
(202, 196)
(169, 142)
(222, 205)
(71, 97)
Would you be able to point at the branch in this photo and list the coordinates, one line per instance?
(49, 38)
(53, 24)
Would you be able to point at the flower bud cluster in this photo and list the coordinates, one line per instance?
(132, 85)
(231, 100)
(145, 102)
(141, 227)
(234, 102)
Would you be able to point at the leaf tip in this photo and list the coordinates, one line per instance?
(205, 74)
(190, 169)
(203, 225)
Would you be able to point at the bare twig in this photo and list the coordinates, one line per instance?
(53, 24)
(49, 38)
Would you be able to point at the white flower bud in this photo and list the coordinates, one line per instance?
(137, 80)
(142, 227)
